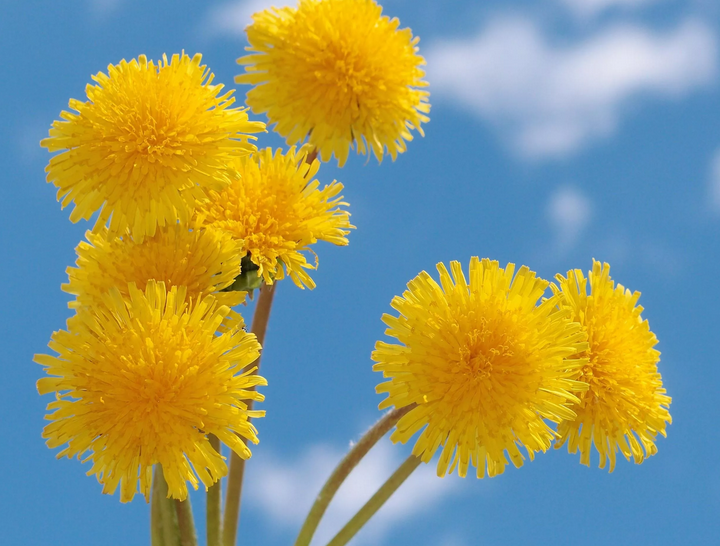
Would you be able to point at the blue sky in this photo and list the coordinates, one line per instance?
(561, 130)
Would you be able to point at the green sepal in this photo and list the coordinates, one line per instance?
(248, 279)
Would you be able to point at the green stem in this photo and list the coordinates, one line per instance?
(233, 495)
(342, 470)
(163, 511)
(376, 501)
(156, 521)
(214, 510)
(188, 537)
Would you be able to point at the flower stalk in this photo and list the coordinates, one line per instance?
(233, 495)
(164, 529)
(376, 501)
(342, 471)
(156, 522)
(188, 536)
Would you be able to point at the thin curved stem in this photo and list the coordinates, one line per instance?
(237, 465)
(214, 510)
(376, 501)
(342, 471)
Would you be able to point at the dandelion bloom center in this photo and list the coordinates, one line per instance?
(483, 363)
(625, 406)
(339, 73)
(148, 143)
(143, 380)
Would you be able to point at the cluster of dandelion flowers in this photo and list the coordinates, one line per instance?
(483, 364)
(339, 73)
(148, 142)
(277, 208)
(143, 380)
(625, 406)
(204, 261)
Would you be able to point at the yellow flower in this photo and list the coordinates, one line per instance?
(483, 362)
(144, 380)
(277, 209)
(625, 405)
(203, 261)
(148, 142)
(339, 73)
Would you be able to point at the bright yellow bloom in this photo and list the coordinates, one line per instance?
(625, 406)
(339, 73)
(148, 142)
(278, 210)
(203, 261)
(484, 363)
(144, 380)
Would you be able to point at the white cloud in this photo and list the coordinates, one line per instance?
(102, 8)
(586, 8)
(569, 213)
(233, 17)
(29, 133)
(285, 490)
(715, 182)
(551, 99)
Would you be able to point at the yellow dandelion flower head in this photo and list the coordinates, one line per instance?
(339, 73)
(482, 364)
(278, 209)
(625, 406)
(204, 261)
(148, 142)
(142, 381)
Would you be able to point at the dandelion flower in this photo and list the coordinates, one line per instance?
(484, 364)
(625, 406)
(203, 261)
(339, 73)
(150, 140)
(279, 211)
(142, 381)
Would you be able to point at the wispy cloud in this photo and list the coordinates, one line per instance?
(233, 17)
(285, 490)
(586, 8)
(715, 182)
(569, 213)
(551, 99)
(29, 133)
(103, 8)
